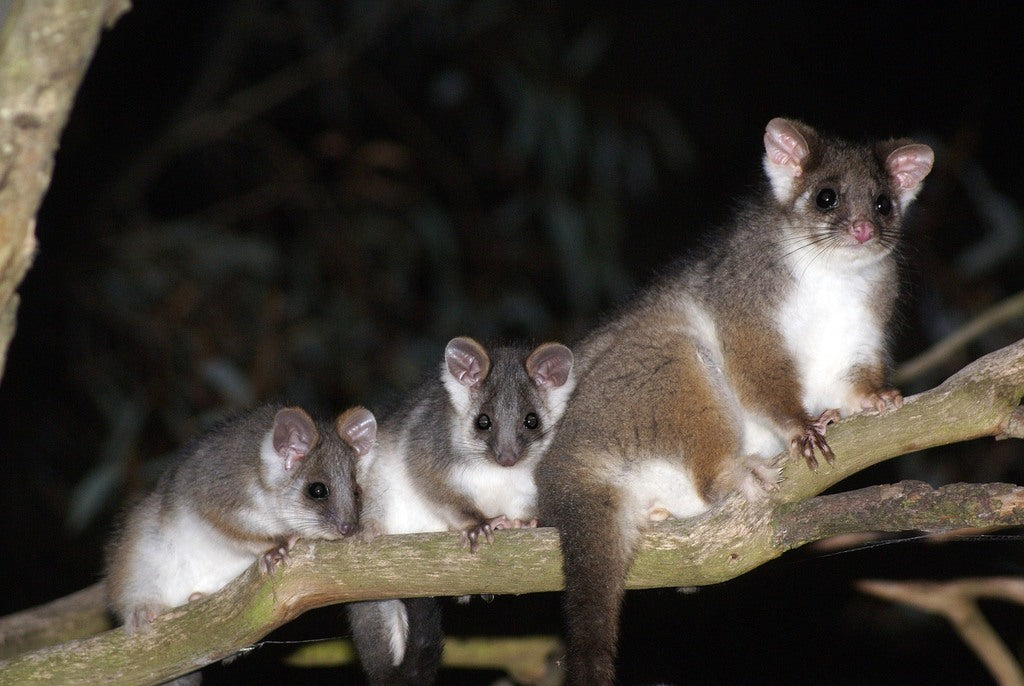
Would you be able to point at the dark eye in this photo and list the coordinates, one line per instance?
(531, 421)
(317, 490)
(483, 422)
(883, 205)
(826, 199)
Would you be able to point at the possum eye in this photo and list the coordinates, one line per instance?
(317, 490)
(483, 422)
(883, 205)
(826, 199)
(531, 421)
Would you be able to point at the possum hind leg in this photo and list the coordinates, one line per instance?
(660, 441)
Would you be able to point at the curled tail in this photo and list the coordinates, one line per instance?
(398, 641)
(598, 542)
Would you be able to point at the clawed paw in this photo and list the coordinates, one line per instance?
(471, 536)
(811, 439)
(504, 523)
(140, 619)
(272, 558)
(485, 529)
(757, 478)
(881, 401)
(368, 531)
(276, 556)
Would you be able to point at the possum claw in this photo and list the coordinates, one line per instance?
(811, 439)
(881, 401)
(471, 536)
(276, 556)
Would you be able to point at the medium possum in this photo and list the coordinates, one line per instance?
(458, 456)
(243, 492)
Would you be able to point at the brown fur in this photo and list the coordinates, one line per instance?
(654, 384)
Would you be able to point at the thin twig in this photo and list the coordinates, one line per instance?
(1007, 310)
(957, 602)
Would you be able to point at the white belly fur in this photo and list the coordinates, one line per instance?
(660, 488)
(185, 555)
(497, 490)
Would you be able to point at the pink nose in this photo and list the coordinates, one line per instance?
(507, 457)
(862, 230)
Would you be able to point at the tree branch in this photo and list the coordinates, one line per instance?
(957, 601)
(983, 399)
(1002, 312)
(45, 48)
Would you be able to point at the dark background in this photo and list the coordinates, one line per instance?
(304, 200)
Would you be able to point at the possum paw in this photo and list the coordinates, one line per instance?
(881, 401)
(810, 439)
(756, 478)
(485, 529)
(276, 556)
(139, 620)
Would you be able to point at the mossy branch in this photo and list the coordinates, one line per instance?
(981, 400)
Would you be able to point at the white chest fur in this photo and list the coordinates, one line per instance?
(391, 498)
(497, 490)
(830, 326)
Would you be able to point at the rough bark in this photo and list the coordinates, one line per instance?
(981, 400)
(45, 48)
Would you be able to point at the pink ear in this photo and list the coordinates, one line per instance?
(549, 365)
(784, 146)
(294, 434)
(909, 164)
(358, 428)
(467, 361)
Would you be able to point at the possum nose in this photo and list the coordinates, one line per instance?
(507, 457)
(343, 525)
(862, 231)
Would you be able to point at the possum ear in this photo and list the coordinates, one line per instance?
(549, 365)
(467, 361)
(294, 435)
(465, 367)
(358, 428)
(907, 166)
(786, 150)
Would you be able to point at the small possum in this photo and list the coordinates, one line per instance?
(752, 348)
(243, 492)
(458, 456)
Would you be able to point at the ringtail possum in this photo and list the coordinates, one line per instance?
(753, 347)
(458, 456)
(243, 492)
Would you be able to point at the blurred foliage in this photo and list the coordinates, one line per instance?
(342, 188)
